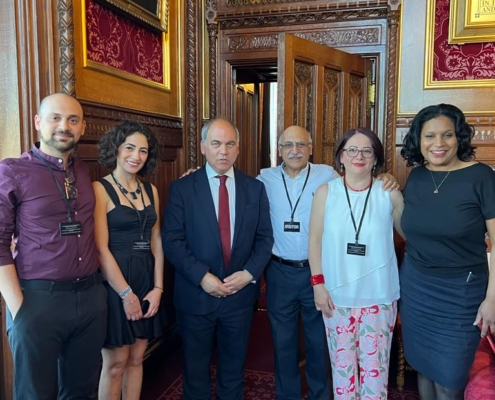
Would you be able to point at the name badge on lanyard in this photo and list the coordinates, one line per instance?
(70, 228)
(356, 249)
(292, 226)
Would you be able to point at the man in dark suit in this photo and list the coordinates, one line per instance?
(218, 235)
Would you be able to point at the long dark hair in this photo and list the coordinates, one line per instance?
(411, 152)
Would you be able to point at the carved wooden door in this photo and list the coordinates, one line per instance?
(322, 89)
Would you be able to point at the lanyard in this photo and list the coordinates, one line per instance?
(142, 224)
(293, 210)
(67, 200)
(357, 229)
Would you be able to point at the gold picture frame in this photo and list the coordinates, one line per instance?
(165, 85)
(151, 13)
(472, 21)
(429, 82)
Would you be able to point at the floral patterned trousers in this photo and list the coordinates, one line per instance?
(359, 341)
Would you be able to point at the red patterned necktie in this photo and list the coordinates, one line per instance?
(224, 219)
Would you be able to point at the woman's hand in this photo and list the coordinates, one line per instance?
(154, 297)
(132, 307)
(486, 316)
(323, 300)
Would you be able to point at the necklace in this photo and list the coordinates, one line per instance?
(124, 191)
(357, 190)
(443, 180)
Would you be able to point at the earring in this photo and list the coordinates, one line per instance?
(374, 169)
(342, 168)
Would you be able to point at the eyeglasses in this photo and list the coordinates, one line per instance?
(354, 151)
(70, 190)
(290, 145)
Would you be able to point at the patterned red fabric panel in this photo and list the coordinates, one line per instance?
(459, 62)
(481, 383)
(114, 41)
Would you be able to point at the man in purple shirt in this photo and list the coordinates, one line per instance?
(56, 319)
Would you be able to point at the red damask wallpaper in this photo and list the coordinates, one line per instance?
(459, 62)
(117, 42)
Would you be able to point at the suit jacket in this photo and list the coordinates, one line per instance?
(191, 240)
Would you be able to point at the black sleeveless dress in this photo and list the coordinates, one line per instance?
(137, 266)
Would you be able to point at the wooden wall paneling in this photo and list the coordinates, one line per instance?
(331, 116)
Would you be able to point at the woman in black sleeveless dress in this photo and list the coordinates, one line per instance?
(127, 234)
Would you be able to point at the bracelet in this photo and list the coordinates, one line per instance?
(317, 279)
(125, 292)
(159, 288)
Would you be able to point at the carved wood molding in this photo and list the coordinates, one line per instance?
(100, 118)
(257, 6)
(66, 47)
(239, 20)
(334, 37)
(393, 43)
(213, 39)
(191, 79)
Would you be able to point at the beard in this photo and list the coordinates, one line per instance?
(62, 146)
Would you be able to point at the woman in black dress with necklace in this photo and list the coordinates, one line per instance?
(127, 234)
(445, 291)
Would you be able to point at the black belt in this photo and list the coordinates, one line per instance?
(291, 263)
(69, 286)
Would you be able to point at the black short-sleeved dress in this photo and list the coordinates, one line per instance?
(444, 275)
(137, 266)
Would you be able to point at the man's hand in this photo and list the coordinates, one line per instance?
(389, 182)
(189, 171)
(214, 286)
(238, 280)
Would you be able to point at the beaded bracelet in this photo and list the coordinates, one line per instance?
(159, 288)
(317, 279)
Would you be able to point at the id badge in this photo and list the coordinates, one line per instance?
(292, 226)
(70, 228)
(356, 249)
(141, 245)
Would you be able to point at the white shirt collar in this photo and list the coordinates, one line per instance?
(210, 172)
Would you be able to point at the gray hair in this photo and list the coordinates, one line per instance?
(206, 127)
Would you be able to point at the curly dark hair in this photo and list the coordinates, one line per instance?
(376, 145)
(108, 146)
(411, 152)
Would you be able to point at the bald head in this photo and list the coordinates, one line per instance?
(293, 131)
(60, 124)
(294, 146)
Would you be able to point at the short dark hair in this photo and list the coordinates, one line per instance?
(411, 152)
(108, 146)
(376, 145)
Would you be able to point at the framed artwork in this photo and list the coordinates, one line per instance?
(449, 65)
(472, 21)
(153, 14)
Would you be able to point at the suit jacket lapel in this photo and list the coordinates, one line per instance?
(240, 205)
(203, 191)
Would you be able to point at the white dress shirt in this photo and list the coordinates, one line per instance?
(214, 187)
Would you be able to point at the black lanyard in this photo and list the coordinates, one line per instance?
(293, 210)
(357, 229)
(67, 200)
(142, 224)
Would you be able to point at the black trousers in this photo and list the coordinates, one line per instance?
(56, 340)
(230, 328)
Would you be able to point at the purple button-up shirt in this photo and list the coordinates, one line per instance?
(31, 210)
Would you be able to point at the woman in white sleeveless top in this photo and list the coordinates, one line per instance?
(354, 267)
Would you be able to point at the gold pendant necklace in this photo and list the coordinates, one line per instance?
(443, 180)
